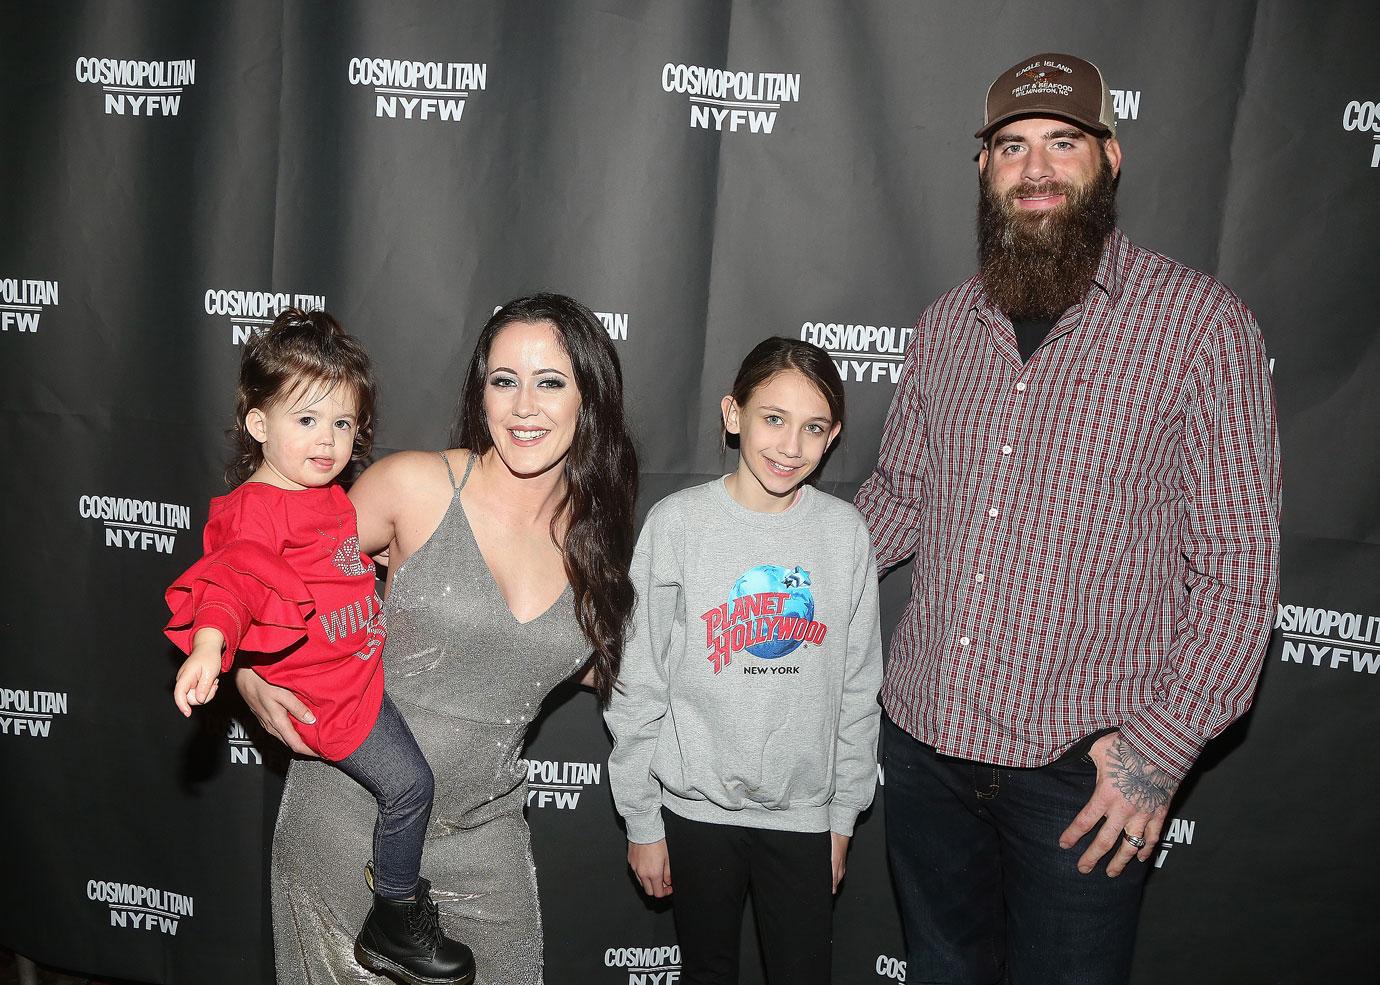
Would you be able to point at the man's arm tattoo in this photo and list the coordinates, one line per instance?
(1145, 787)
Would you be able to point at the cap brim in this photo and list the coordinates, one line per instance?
(1095, 127)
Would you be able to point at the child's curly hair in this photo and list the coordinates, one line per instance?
(301, 349)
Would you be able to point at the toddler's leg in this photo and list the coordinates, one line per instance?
(402, 937)
(391, 767)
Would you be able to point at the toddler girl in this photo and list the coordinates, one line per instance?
(283, 578)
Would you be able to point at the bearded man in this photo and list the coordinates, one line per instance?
(1081, 457)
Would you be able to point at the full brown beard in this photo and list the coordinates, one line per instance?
(1037, 264)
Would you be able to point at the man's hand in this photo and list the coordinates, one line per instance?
(652, 866)
(1132, 795)
(275, 707)
(838, 857)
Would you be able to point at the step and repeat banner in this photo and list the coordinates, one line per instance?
(702, 175)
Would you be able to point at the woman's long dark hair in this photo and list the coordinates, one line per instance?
(600, 470)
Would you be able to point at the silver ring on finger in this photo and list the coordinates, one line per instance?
(1135, 841)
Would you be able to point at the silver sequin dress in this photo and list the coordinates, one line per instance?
(468, 677)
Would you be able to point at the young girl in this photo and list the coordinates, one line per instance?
(283, 577)
(745, 724)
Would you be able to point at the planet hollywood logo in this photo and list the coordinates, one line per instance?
(243, 752)
(138, 88)
(1363, 116)
(1180, 832)
(249, 313)
(862, 353)
(770, 613)
(137, 907)
(30, 713)
(22, 302)
(557, 784)
(1329, 638)
(646, 965)
(418, 90)
(137, 524)
(726, 100)
(891, 969)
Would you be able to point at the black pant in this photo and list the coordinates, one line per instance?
(712, 868)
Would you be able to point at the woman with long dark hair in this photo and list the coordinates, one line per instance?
(509, 574)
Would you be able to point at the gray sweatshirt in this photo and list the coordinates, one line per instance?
(748, 693)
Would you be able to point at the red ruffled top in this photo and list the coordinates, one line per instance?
(283, 577)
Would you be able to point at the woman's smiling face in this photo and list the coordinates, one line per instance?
(531, 399)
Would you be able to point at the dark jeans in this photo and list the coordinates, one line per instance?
(390, 766)
(987, 895)
(712, 868)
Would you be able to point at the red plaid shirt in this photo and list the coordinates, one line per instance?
(1095, 532)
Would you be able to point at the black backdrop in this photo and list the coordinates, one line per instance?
(171, 174)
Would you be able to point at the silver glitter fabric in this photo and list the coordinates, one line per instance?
(469, 678)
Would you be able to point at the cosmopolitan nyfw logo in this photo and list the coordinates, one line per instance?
(1126, 103)
(137, 88)
(137, 524)
(22, 302)
(1329, 639)
(419, 90)
(1180, 832)
(141, 907)
(1364, 117)
(615, 324)
(769, 613)
(30, 713)
(559, 784)
(646, 965)
(865, 353)
(724, 100)
(891, 969)
(243, 752)
(249, 313)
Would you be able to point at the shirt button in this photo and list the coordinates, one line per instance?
(1020, 387)
(992, 511)
(1006, 449)
(963, 641)
(979, 577)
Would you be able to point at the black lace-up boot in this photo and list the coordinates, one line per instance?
(402, 939)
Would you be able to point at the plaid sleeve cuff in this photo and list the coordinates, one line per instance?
(1166, 742)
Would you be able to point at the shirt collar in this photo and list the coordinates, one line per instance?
(1111, 269)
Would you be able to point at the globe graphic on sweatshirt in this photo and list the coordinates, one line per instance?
(793, 582)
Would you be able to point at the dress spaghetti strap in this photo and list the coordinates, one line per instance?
(450, 473)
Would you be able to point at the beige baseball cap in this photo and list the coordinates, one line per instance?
(1063, 86)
